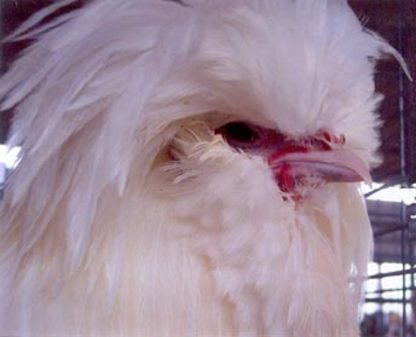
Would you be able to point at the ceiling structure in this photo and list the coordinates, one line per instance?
(394, 229)
(395, 20)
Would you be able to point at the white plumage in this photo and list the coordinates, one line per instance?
(129, 215)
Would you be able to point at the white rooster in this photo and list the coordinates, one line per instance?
(189, 169)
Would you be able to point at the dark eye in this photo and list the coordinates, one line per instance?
(238, 133)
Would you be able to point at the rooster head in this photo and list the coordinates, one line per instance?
(190, 168)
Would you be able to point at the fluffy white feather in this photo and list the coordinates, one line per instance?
(102, 234)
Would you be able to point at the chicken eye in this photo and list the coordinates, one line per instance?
(238, 133)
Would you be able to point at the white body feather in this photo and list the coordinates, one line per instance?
(102, 235)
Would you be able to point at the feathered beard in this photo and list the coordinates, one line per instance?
(288, 269)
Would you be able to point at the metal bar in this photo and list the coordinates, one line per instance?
(403, 241)
(403, 171)
(390, 181)
(392, 273)
(380, 291)
(368, 194)
(388, 231)
(412, 262)
(1, 39)
(385, 300)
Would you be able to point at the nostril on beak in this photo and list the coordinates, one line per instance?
(330, 139)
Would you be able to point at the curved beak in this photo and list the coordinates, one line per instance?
(335, 165)
(310, 167)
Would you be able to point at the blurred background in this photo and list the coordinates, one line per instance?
(390, 295)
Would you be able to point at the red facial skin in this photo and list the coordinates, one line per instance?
(301, 164)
